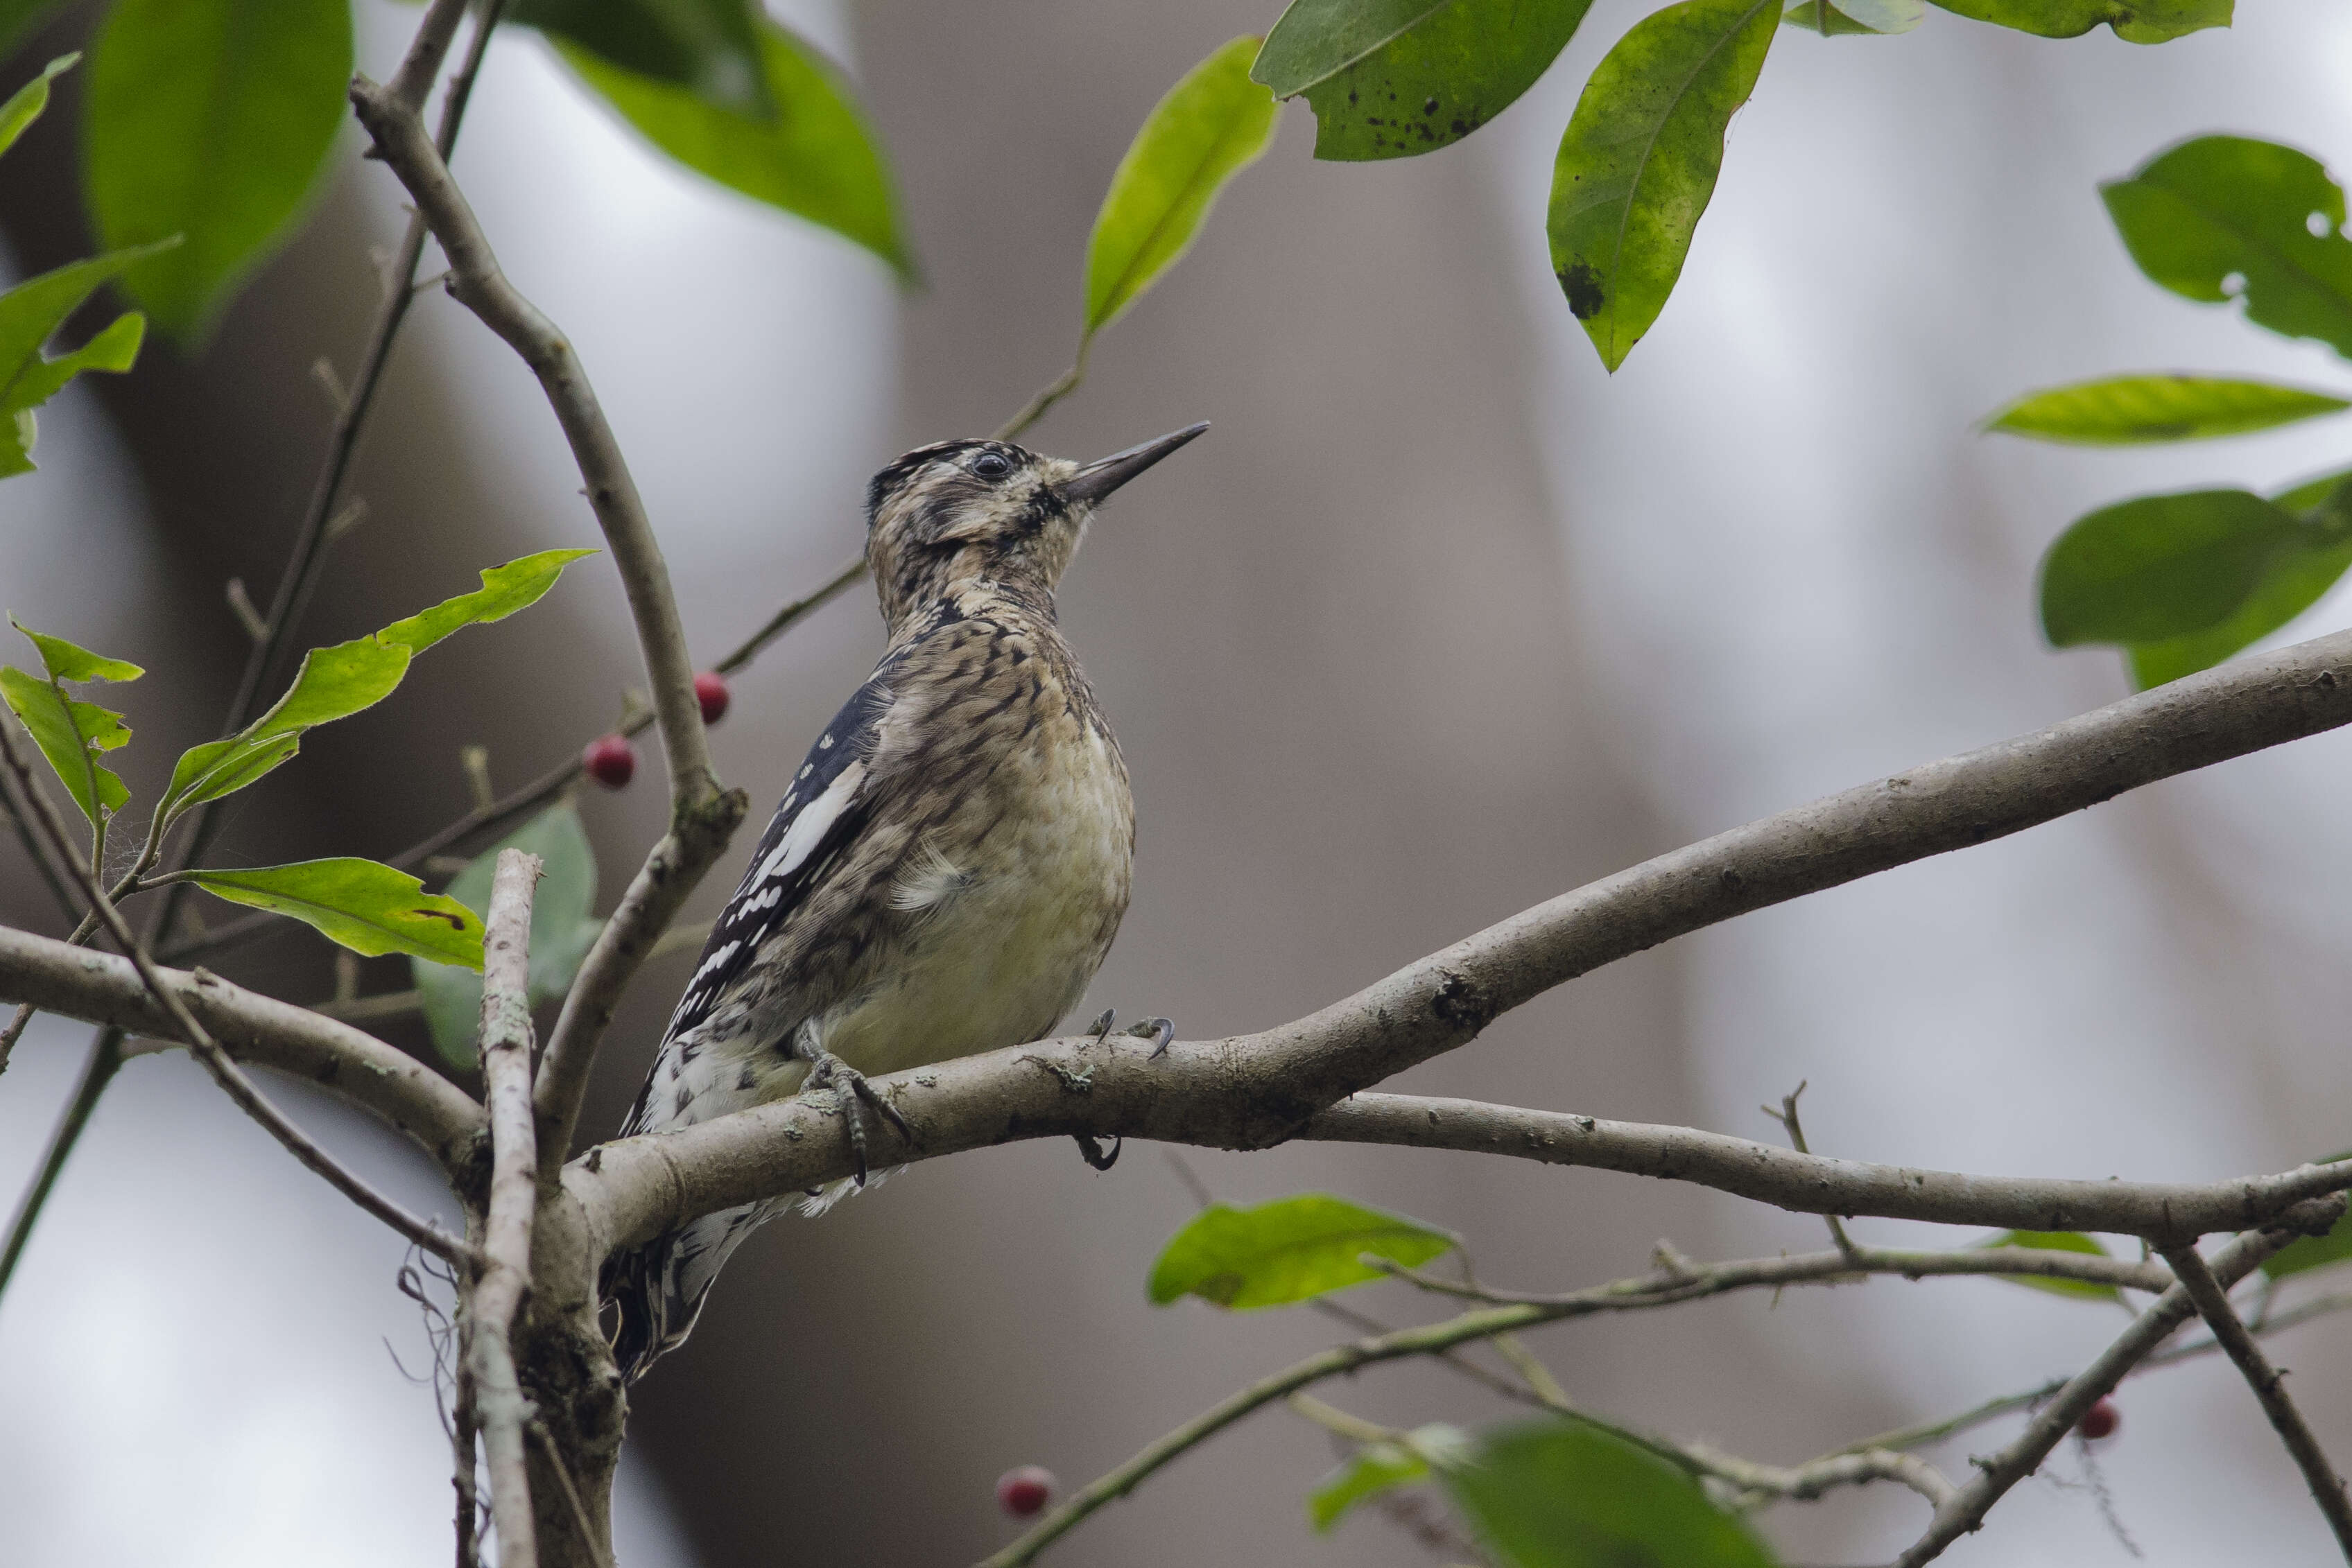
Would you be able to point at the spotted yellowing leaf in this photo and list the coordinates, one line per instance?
(1287, 1250)
(1212, 124)
(364, 905)
(1638, 163)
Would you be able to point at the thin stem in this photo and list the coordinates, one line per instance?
(1841, 1268)
(105, 1060)
(34, 852)
(2270, 1388)
(1049, 394)
(225, 1073)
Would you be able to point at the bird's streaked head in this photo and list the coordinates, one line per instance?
(967, 513)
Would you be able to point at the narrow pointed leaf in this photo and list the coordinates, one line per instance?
(1566, 1494)
(709, 50)
(2227, 217)
(2293, 583)
(2160, 566)
(1212, 124)
(31, 313)
(70, 733)
(211, 119)
(2307, 1253)
(517, 585)
(562, 929)
(1390, 78)
(370, 908)
(2135, 21)
(815, 156)
(27, 104)
(1639, 161)
(115, 348)
(2124, 410)
(2055, 1242)
(1286, 1250)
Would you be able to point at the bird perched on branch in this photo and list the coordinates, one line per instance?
(948, 865)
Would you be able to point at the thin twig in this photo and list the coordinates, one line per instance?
(1787, 1117)
(1843, 1267)
(1049, 394)
(105, 1061)
(1999, 1472)
(504, 1278)
(2270, 1388)
(50, 876)
(225, 1073)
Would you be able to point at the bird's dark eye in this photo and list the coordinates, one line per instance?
(992, 466)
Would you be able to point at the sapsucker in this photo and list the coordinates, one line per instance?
(948, 868)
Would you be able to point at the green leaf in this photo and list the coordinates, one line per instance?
(562, 930)
(27, 102)
(2161, 566)
(1639, 161)
(1885, 16)
(815, 157)
(1212, 124)
(709, 48)
(362, 904)
(517, 585)
(2055, 1242)
(2293, 584)
(2226, 217)
(2307, 1253)
(2135, 21)
(71, 734)
(210, 118)
(2124, 410)
(1287, 1250)
(1379, 1468)
(1393, 79)
(1566, 1494)
(114, 349)
(338, 681)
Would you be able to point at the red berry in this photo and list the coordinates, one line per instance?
(2100, 1420)
(711, 691)
(1024, 1491)
(609, 760)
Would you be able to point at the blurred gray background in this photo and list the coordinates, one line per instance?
(1438, 622)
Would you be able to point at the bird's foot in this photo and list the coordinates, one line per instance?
(829, 1074)
(1162, 1032)
(1091, 1150)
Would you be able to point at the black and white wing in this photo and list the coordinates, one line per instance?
(827, 807)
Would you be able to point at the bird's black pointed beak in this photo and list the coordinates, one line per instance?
(1097, 479)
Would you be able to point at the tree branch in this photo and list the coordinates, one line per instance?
(703, 816)
(1858, 1263)
(225, 1073)
(2269, 1386)
(100, 987)
(498, 1289)
(1995, 1475)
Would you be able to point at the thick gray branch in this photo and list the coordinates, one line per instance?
(102, 988)
(504, 1279)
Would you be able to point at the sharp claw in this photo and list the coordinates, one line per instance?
(1100, 1027)
(1162, 1032)
(1092, 1153)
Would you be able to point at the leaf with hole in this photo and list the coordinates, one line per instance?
(1639, 161)
(362, 904)
(2305, 1253)
(2127, 411)
(2224, 217)
(211, 119)
(2159, 566)
(1287, 1250)
(709, 50)
(1393, 79)
(814, 156)
(562, 930)
(2055, 1242)
(28, 102)
(1210, 126)
(2135, 21)
(1566, 1494)
(2293, 583)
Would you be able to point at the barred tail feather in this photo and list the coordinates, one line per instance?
(659, 1288)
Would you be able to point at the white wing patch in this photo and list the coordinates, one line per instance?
(808, 828)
